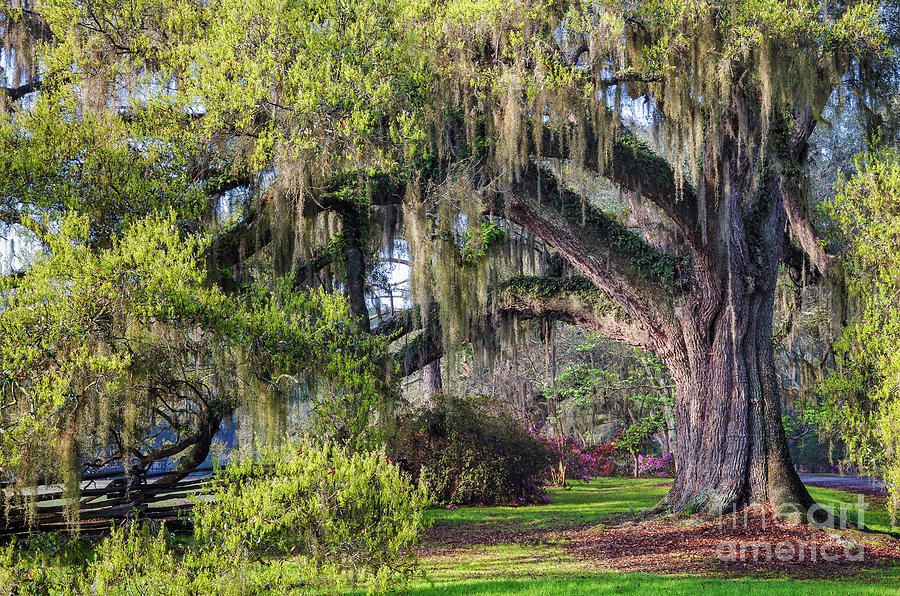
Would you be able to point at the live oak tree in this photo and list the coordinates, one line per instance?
(472, 124)
(734, 122)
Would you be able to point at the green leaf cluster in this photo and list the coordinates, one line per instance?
(96, 346)
(861, 397)
(481, 240)
(299, 518)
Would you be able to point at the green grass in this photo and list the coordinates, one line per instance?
(526, 571)
(603, 498)
(595, 501)
(650, 584)
(544, 567)
(529, 570)
(541, 568)
(875, 515)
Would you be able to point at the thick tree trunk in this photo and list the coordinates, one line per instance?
(732, 451)
(355, 284)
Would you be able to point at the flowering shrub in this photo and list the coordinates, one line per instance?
(467, 454)
(582, 462)
(635, 438)
(606, 459)
(661, 467)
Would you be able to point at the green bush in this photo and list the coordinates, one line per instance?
(344, 517)
(136, 560)
(133, 559)
(41, 564)
(466, 453)
(296, 519)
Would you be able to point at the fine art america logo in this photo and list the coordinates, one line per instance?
(835, 548)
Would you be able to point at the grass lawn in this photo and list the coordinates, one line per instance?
(876, 515)
(533, 571)
(538, 567)
(595, 501)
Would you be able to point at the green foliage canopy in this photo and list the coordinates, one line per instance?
(99, 347)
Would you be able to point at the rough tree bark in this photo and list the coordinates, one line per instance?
(432, 386)
(355, 280)
(719, 351)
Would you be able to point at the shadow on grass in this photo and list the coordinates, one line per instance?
(488, 561)
(875, 512)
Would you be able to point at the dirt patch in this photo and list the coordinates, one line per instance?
(752, 542)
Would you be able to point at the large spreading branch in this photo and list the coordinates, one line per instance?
(634, 167)
(424, 349)
(798, 220)
(17, 93)
(241, 240)
(792, 197)
(406, 321)
(338, 195)
(254, 231)
(305, 272)
(631, 273)
(571, 300)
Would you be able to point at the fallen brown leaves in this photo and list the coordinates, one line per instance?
(752, 542)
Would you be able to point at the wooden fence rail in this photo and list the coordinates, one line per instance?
(104, 500)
